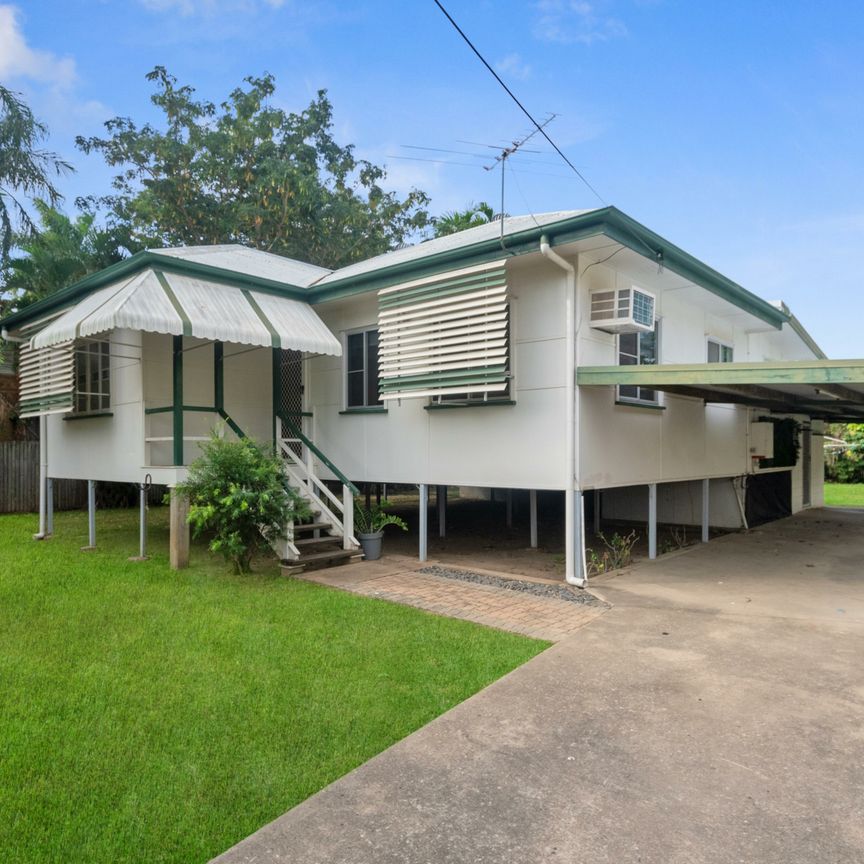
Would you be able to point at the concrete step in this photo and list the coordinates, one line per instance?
(332, 557)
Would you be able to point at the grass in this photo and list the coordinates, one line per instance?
(844, 494)
(153, 716)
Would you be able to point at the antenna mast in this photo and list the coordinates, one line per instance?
(504, 155)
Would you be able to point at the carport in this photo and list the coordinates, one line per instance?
(820, 389)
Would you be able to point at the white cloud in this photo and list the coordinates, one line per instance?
(585, 21)
(208, 8)
(19, 60)
(514, 66)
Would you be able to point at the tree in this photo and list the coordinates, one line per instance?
(846, 465)
(239, 494)
(460, 220)
(61, 252)
(25, 169)
(247, 172)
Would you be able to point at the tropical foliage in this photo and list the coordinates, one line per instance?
(846, 465)
(472, 216)
(248, 172)
(239, 494)
(26, 170)
(60, 252)
(375, 518)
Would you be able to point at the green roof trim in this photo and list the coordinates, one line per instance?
(70, 295)
(608, 221)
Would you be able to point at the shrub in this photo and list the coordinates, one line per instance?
(238, 491)
(371, 520)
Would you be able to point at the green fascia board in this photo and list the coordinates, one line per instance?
(141, 261)
(813, 372)
(608, 221)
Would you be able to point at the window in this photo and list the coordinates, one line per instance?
(92, 377)
(638, 349)
(361, 370)
(719, 352)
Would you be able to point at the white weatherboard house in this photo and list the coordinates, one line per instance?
(576, 351)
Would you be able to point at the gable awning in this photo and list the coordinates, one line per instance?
(831, 390)
(182, 305)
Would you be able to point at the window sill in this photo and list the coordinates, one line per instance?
(88, 415)
(651, 406)
(373, 409)
(492, 403)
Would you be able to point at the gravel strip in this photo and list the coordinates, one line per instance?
(538, 589)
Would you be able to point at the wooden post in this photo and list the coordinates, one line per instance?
(706, 498)
(532, 506)
(179, 537)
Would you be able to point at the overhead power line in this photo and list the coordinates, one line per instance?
(512, 95)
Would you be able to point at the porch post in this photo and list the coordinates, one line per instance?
(441, 507)
(532, 506)
(49, 506)
(43, 478)
(178, 543)
(652, 520)
(177, 408)
(276, 393)
(142, 523)
(347, 518)
(91, 516)
(424, 517)
(706, 497)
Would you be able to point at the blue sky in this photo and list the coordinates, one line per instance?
(734, 129)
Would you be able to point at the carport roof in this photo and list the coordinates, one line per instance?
(830, 390)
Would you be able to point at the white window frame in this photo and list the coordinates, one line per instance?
(638, 400)
(95, 354)
(354, 332)
(721, 344)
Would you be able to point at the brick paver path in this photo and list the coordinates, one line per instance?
(516, 611)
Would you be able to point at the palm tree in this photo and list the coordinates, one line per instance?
(460, 220)
(25, 169)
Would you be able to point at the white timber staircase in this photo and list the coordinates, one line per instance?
(327, 539)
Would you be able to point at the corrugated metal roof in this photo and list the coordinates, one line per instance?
(489, 231)
(197, 307)
(253, 262)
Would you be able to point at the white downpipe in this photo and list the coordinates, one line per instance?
(43, 478)
(574, 572)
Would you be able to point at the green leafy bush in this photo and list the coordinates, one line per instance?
(238, 491)
(371, 520)
(846, 465)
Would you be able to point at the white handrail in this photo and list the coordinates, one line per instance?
(310, 477)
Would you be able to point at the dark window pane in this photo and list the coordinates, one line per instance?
(355, 389)
(648, 349)
(372, 368)
(355, 352)
(627, 360)
(627, 343)
(626, 391)
(647, 395)
(713, 352)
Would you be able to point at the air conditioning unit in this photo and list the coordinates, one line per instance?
(622, 310)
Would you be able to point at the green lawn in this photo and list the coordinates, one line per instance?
(153, 716)
(844, 494)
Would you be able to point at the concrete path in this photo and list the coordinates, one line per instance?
(402, 580)
(715, 714)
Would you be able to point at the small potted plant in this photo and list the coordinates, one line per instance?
(369, 525)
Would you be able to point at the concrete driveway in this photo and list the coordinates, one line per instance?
(715, 714)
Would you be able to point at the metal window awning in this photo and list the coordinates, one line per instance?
(831, 390)
(180, 305)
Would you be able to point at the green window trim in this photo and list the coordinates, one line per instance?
(634, 403)
(371, 409)
(489, 403)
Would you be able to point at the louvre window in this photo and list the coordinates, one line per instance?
(47, 380)
(638, 349)
(361, 370)
(446, 335)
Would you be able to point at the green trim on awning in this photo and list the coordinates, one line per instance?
(275, 338)
(172, 297)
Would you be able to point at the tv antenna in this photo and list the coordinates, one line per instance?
(504, 155)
